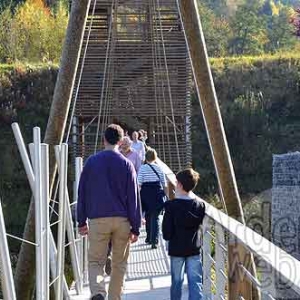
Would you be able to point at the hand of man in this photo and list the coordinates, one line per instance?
(133, 238)
(84, 230)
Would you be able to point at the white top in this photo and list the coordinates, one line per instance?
(146, 174)
(139, 147)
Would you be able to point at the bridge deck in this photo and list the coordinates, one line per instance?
(148, 274)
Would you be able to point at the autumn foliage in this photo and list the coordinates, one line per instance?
(296, 22)
(32, 32)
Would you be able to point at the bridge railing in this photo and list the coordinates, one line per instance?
(219, 233)
(6, 276)
(50, 256)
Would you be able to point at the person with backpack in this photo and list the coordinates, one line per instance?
(153, 189)
(182, 219)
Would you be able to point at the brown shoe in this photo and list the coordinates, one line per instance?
(108, 266)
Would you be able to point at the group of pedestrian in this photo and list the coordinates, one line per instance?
(116, 185)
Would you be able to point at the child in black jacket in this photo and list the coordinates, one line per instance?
(181, 222)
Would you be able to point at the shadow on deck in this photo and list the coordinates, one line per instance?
(148, 274)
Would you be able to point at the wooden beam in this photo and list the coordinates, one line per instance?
(24, 276)
(214, 128)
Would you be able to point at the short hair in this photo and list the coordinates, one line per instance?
(188, 178)
(126, 140)
(140, 134)
(151, 154)
(114, 134)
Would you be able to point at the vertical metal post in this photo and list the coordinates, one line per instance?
(206, 259)
(71, 236)
(62, 220)
(84, 240)
(220, 262)
(78, 170)
(52, 246)
(38, 214)
(53, 265)
(8, 286)
(31, 179)
(45, 216)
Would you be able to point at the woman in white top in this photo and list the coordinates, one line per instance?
(138, 146)
(153, 186)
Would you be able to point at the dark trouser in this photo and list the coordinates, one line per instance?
(152, 226)
(109, 249)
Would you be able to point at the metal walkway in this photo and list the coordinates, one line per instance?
(148, 274)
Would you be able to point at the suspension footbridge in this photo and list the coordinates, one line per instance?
(134, 63)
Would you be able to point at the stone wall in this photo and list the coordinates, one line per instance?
(286, 214)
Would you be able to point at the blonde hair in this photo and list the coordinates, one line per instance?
(151, 155)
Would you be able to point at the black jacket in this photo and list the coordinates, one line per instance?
(180, 227)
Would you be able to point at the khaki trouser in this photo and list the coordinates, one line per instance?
(101, 231)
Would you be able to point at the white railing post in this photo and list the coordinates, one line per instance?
(62, 220)
(83, 240)
(78, 170)
(221, 277)
(24, 155)
(40, 292)
(71, 236)
(45, 217)
(7, 280)
(31, 178)
(52, 246)
(207, 263)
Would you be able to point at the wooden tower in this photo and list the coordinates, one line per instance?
(134, 70)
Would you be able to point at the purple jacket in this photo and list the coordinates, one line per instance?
(108, 188)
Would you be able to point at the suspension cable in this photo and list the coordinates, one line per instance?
(109, 85)
(169, 85)
(155, 73)
(164, 105)
(77, 90)
(81, 70)
(104, 78)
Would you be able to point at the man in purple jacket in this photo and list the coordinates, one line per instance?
(107, 196)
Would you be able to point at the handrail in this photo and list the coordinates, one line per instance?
(264, 249)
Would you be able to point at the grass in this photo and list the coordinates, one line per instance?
(26, 66)
(216, 63)
(222, 62)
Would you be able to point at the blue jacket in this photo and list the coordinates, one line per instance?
(108, 188)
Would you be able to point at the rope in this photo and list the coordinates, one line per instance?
(155, 69)
(77, 90)
(104, 78)
(164, 109)
(108, 92)
(169, 87)
(81, 71)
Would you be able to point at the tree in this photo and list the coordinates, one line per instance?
(280, 29)
(216, 30)
(32, 32)
(249, 30)
(296, 22)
